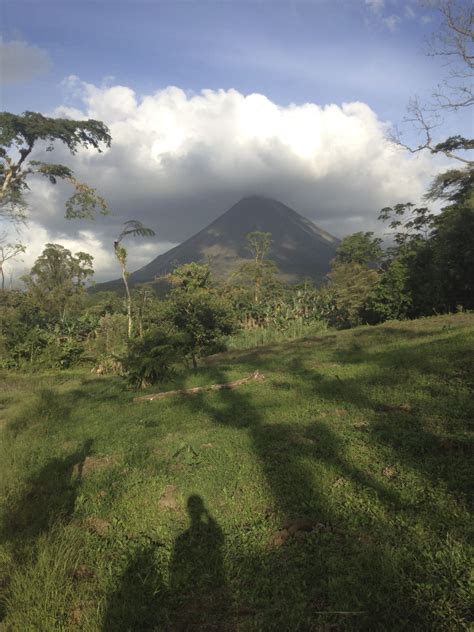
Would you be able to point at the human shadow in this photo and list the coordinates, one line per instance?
(199, 597)
(196, 598)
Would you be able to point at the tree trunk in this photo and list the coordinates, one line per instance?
(129, 300)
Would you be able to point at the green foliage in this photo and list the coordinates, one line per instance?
(433, 257)
(151, 359)
(109, 336)
(350, 286)
(454, 185)
(19, 134)
(25, 130)
(453, 257)
(361, 248)
(390, 298)
(260, 273)
(198, 311)
(132, 228)
(30, 341)
(191, 276)
(57, 280)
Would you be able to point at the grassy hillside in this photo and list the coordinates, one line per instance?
(331, 496)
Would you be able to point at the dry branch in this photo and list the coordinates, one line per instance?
(199, 389)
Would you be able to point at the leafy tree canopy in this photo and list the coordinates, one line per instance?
(19, 134)
(57, 279)
(361, 248)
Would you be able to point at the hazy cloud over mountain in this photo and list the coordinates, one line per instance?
(179, 159)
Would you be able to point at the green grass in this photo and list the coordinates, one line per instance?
(334, 495)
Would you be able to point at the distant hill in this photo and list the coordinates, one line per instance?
(300, 248)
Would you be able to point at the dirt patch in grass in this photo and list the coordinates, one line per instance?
(168, 499)
(93, 464)
(98, 526)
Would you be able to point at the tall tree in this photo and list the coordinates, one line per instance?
(132, 228)
(57, 279)
(20, 135)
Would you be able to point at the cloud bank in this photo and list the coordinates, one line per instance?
(178, 160)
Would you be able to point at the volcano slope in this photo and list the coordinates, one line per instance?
(334, 494)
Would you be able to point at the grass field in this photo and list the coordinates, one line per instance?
(334, 495)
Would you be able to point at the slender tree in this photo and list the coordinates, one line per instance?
(260, 270)
(132, 228)
(7, 253)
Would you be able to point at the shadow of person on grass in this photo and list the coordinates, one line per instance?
(197, 597)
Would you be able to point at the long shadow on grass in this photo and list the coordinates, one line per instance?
(49, 496)
(342, 565)
(197, 597)
(427, 429)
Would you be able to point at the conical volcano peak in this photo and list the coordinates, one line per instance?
(257, 204)
(299, 248)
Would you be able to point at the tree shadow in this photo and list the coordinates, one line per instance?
(363, 563)
(355, 563)
(140, 602)
(426, 429)
(49, 496)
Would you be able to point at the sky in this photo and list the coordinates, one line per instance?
(209, 101)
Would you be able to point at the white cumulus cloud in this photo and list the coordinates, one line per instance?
(178, 160)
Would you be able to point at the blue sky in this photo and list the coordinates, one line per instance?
(181, 157)
(328, 51)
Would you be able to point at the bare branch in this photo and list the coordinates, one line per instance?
(417, 118)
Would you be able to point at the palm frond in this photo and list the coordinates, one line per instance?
(135, 228)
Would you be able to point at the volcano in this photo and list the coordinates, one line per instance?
(300, 249)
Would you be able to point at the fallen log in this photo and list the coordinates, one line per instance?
(257, 376)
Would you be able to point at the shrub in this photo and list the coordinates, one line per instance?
(151, 359)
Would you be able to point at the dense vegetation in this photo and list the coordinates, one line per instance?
(332, 495)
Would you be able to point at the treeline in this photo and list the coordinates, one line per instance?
(426, 268)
